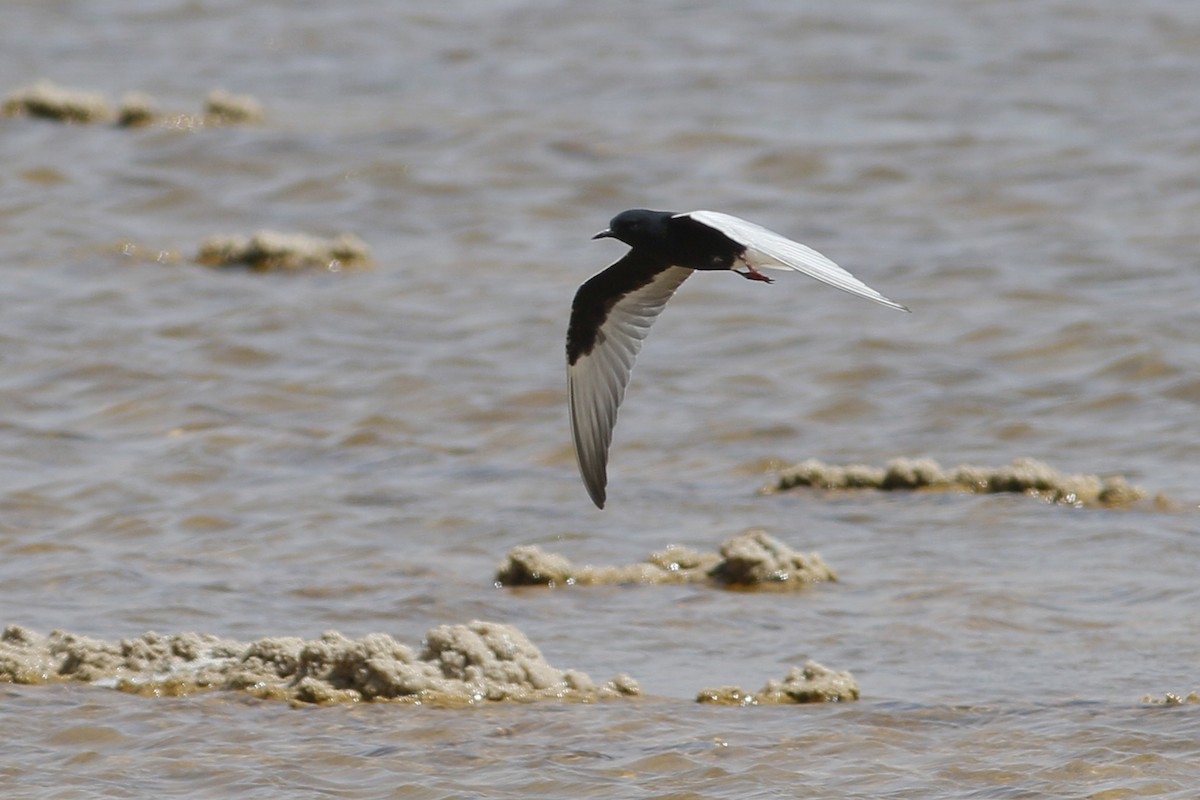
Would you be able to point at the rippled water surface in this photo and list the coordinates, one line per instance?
(256, 454)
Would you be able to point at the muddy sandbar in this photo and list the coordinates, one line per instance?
(456, 665)
(1024, 476)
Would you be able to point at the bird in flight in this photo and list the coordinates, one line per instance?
(613, 311)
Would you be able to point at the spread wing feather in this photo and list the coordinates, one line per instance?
(631, 294)
(766, 249)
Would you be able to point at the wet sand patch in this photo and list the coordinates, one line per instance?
(812, 683)
(457, 665)
(750, 560)
(1024, 476)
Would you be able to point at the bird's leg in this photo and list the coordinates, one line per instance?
(755, 275)
(751, 274)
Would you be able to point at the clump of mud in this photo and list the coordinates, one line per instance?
(47, 100)
(268, 251)
(457, 665)
(1024, 476)
(751, 560)
(812, 683)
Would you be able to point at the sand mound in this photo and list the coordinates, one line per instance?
(458, 665)
(1023, 476)
(271, 251)
(811, 683)
(750, 560)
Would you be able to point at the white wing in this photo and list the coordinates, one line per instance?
(596, 381)
(767, 249)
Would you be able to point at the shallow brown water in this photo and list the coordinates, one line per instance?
(248, 455)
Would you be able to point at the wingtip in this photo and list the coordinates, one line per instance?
(599, 496)
(889, 302)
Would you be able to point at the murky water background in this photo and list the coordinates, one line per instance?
(252, 455)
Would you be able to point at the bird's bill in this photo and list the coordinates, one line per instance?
(604, 234)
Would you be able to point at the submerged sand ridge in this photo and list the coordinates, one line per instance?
(49, 101)
(1024, 476)
(457, 665)
(265, 251)
(750, 560)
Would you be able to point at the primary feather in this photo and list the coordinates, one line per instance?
(599, 366)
